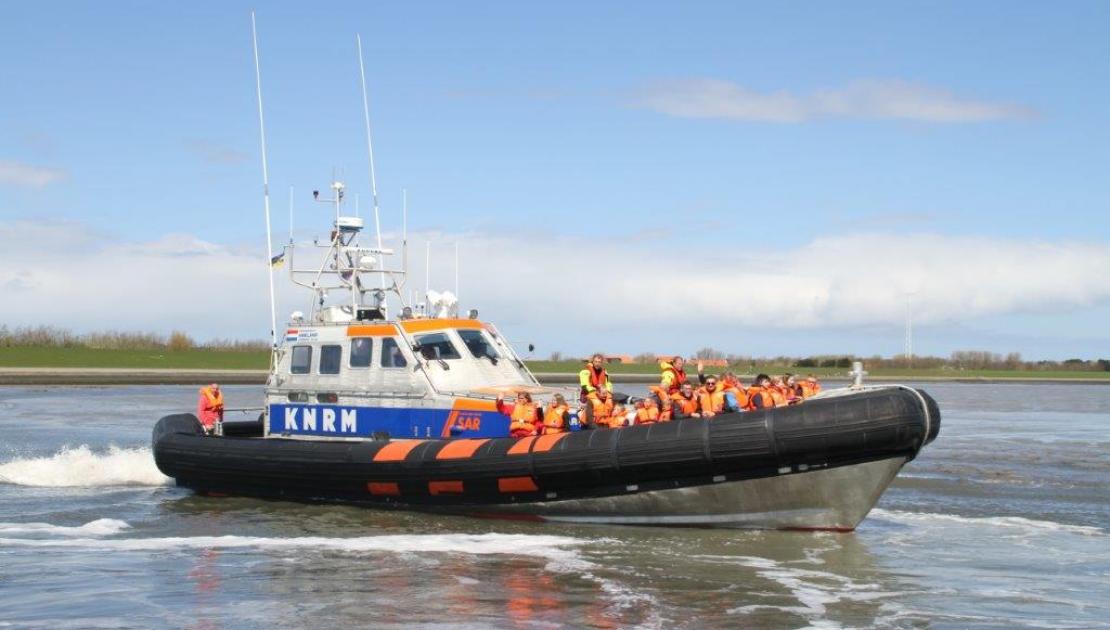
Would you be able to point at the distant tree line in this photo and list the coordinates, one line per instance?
(54, 337)
(958, 360)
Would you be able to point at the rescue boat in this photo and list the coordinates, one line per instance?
(378, 399)
(400, 411)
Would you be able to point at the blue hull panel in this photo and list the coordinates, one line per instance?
(364, 422)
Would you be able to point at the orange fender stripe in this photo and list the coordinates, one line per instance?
(521, 447)
(517, 484)
(423, 325)
(377, 330)
(396, 450)
(384, 488)
(459, 449)
(545, 442)
(445, 487)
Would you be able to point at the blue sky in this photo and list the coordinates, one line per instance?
(701, 137)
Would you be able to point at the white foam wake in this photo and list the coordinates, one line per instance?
(80, 467)
(99, 527)
(552, 548)
(1012, 522)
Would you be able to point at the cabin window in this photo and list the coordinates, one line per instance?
(360, 352)
(437, 346)
(478, 345)
(302, 360)
(392, 357)
(330, 357)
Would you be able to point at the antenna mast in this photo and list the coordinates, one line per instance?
(404, 237)
(370, 151)
(265, 189)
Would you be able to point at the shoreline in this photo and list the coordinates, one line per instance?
(161, 376)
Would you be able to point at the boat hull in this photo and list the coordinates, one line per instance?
(834, 499)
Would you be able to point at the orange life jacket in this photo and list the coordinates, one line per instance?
(689, 406)
(554, 421)
(523, 417)
(598, 378)
(647, 414)
(741, 394)
(617, 417)
(762, 397)
(809, 389)
(602, 411)
(711, 401)
(212, 399)
(778, 395)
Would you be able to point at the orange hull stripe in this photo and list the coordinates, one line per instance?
(521, 446)
(459, 449)
(423, 325)
(545, 442)
(396, 451)
(445, 487)
(384, 488)
(517, 484)
(371, 331)
(474, 404)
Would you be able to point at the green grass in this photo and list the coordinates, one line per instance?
(255, 360)
(94, 358)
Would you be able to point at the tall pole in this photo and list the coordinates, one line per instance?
(456, 270)
(909, 331)
(290, 214)
(405, 239)
(370, 152)
(265, 187)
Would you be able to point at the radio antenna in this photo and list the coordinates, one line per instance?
(265, 189)
(404, 236)
(370, 151)
(290, 214)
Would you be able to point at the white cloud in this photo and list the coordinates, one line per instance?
(181, 282)
(18, 174)
(864, 99)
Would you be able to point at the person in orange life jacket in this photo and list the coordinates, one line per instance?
(600, 410)
(594, 376)
(794, 392)
(778, 391)
(673, 375)
(524, 415)
(685, 403)
(647, 412)
(713, 400)
(210, 407)
(810, 386)
(555, 418)
(734, 391)
(762, 393)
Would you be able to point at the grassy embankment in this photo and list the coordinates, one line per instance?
(78, 357)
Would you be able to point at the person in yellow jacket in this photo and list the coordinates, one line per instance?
(673, 375)
(593, 376)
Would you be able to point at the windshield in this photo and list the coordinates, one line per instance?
(478, 345)
(436, 346)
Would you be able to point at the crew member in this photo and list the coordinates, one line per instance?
(673, 375)
(555, 418)
(684, 403)
(594, 376)
(210, 407)
(523, 415)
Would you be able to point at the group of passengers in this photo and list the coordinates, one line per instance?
(674, 398)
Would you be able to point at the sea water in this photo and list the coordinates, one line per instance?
(1003, 522)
